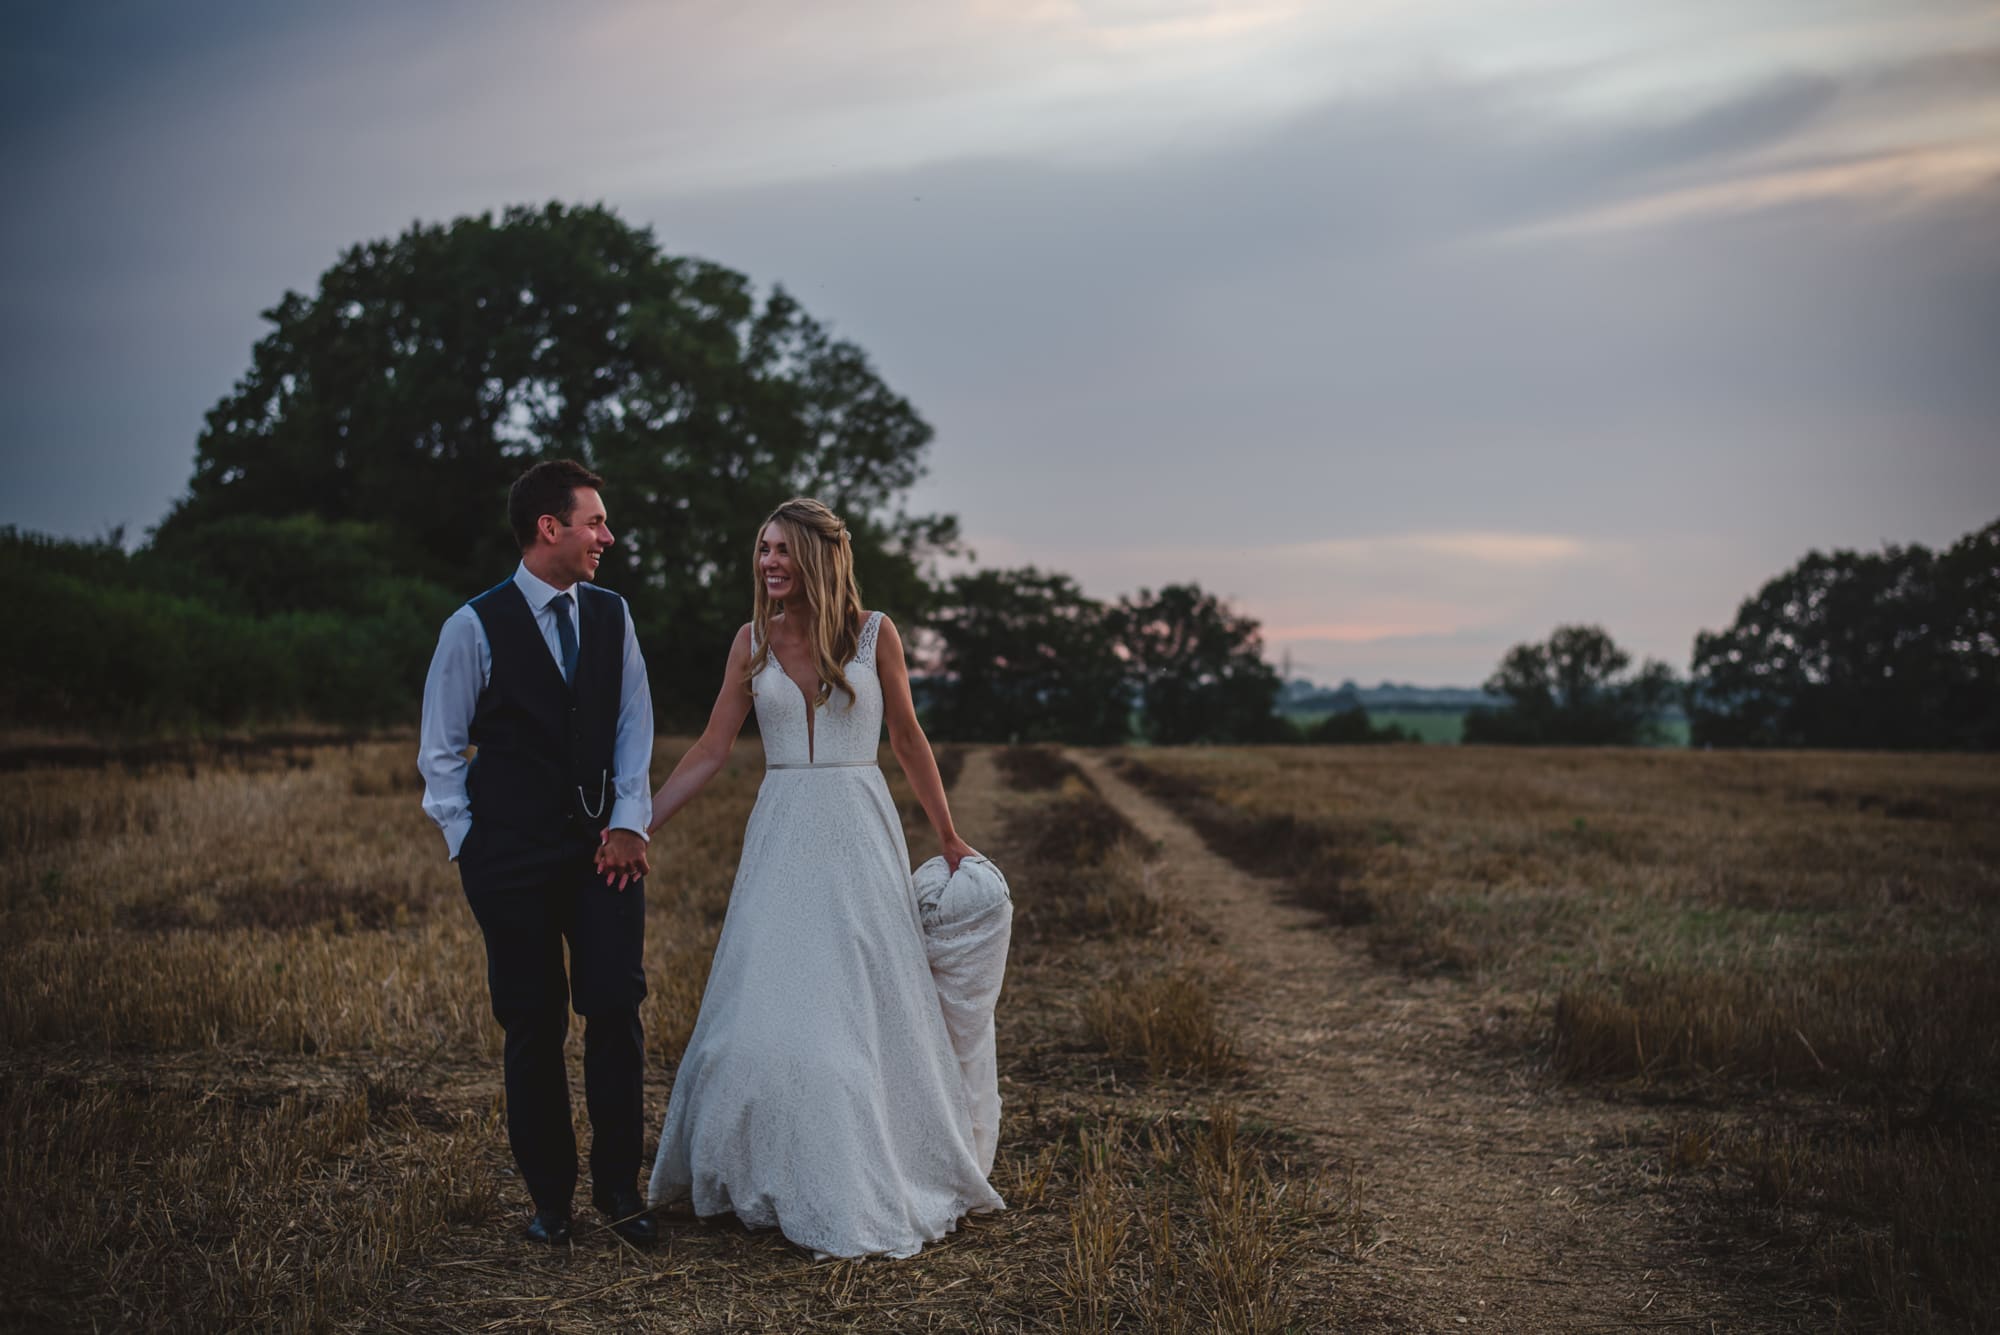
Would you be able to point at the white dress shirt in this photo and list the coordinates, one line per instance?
(460, 669)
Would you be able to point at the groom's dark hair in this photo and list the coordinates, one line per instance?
(549, 488)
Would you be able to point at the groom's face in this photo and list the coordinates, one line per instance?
(579, 543)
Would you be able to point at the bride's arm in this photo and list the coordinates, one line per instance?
(907, 740)
(711, 750)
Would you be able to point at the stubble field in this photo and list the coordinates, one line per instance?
(250, 1078)
(251, 1082)
(1796, 956)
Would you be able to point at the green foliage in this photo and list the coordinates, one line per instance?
(1349, 727)
(1569, 690)
(267, 566)
(429, 370)
(1893, 649)
(147, 642)
(1027, 658)
(1198, 668)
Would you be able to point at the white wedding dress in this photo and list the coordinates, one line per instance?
(820, 1093)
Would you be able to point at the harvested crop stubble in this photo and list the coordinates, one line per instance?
(223, 1207)
(1166, 1020)
(1034, 769)
(249, 1080)
(170, 931)
(1314, 859)
(1809, 943)
(1082, 869)
(1088, 867)
(1180, 1225)
(1175, 1224)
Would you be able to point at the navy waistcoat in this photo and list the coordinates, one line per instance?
(543, 774)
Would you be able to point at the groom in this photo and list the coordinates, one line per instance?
(542, 674)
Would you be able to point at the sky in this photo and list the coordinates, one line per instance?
(1416, 329)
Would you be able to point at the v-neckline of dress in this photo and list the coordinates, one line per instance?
(812, 707)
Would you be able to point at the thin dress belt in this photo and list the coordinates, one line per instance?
(824, 764)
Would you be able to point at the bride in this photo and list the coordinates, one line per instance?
(819, 1093)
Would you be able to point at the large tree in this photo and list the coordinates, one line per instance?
(1199, 668)
(427, 371)
(1572, 689)
(1026, 657)
(1898, 648)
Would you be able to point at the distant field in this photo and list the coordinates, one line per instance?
(1446, 727)
(1425, 725)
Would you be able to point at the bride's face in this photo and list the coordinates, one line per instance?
(774, 563)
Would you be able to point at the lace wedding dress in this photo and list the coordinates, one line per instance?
(820, 1093)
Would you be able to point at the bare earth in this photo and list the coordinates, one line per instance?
(1499, 1202)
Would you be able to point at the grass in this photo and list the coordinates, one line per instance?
(249, 1079)
(1036, 768)
(1192, 1224)
(243, 1207)
(1175, 1226)
(1080, 870)
(1165, 1020)
(1808, 945)
(1312, 859)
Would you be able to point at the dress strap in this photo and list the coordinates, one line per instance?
(864, 650)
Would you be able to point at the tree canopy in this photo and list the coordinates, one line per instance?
(429, 370)
(1571, 689)
(1027, 657)
(1198, 667)
(1898, 648)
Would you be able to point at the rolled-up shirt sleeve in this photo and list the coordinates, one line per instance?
(632, 751)
(451, 694)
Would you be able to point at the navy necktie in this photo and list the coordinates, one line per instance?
(565, 635)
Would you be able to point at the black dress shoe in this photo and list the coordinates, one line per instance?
(627, 1213)
(548, 1226)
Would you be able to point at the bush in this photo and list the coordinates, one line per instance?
(178, 641)
(1352, 727)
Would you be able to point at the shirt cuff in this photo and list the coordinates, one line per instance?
(454, 835)
(633, 813)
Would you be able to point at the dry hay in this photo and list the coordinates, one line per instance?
(249, 1080)
(1802, 945)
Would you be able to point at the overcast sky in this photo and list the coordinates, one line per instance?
(1416, 328)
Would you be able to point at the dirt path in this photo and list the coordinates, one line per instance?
(1500, 1203)
(975, 798)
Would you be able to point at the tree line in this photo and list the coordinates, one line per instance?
(350, 489)
(1891, 649)
(348, 492)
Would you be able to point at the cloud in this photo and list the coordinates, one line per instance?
(1501, 549)
(1421, 353)
(1896, 179)
(1354, 632)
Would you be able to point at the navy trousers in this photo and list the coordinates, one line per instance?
(529, 904)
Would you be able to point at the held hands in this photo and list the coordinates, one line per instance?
(956, 850)
(621, 857)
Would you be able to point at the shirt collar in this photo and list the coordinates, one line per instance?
(537, 591)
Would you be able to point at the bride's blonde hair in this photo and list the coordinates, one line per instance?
(823, 566)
